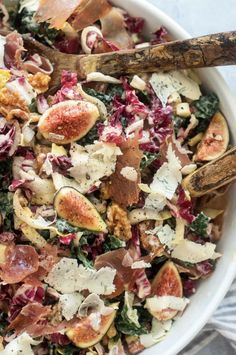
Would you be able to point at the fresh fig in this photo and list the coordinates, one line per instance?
(68, 121)
(215, 140)
(83, 334)
(78, 210)
(167, 282)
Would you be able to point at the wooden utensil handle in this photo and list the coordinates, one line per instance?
(213, 175)
(206, 51)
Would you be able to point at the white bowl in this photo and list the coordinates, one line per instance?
(210, 292)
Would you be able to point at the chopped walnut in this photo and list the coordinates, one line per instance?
(39, 81)
(105, 190)
(118, 222)
(135, 347)
(56, 315)
(11, 101)
(150, 242)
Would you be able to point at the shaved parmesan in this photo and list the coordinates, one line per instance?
(158, 332)
(155, 201)
(30, 5)
(165, 234)
(165, 84)
(129, 173)
(95, 321)
(20, 345)
(93, 304)
(161, 303)
(138, 83)
(92, 162)
(69, 304)
(193, 253)
(179, 231)
(96, 76)
(67, 277)
(167, 178)
(140, 265)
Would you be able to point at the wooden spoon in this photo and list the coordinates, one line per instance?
(213, 175)
(207, 51)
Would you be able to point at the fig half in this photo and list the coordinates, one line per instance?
(68, 121)
(215, 140)
(83, 334)
(167, 282)
(78, 210)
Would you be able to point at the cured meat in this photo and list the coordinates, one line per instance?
(29, 316)
(114, 29)
(88, 12)
(20, 261)
(85, 12)
(122, 190)
(14, 49)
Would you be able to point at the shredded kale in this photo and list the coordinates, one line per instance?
(126, 326)
(200, 224)
(81, 256)
(64, 227)
(148, 159)
(106, 98)
(65, 350)
(33, 106)
(5, 174)
(204, 109)
(179, 122)
(90, 137)
(112, 243)
(6, 209)
(25, 23)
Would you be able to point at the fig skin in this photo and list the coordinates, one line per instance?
(167, 282)
(78, 210)
(84, 336)
(68, 121)
(215, 140)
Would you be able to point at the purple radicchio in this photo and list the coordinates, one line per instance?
(134, 24)
(9, 138)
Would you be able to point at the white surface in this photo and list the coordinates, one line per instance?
(210, 292)
(200, 17)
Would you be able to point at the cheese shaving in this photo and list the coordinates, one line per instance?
(193, 253)
(96, 76)
(161, 303)
(20, 345)
(165, 84)
(69, 304)
(67, 277)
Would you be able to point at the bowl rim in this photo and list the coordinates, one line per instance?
(195, 327)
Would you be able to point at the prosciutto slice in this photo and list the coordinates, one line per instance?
(14, 49)
(20, 261)
(122, 190)
(85, 12)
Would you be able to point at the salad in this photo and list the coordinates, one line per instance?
(101, 246)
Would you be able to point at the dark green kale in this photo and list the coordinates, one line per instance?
(33, 106)
(148, 159)
(106, 98)
(64, 227)
(65, 350)
(81, 256)
(6, 209)
(112, 243)
(179, 122)
(90, 137)
(126, 326)
(5, 174)
(204, 109)
(25, 23)
(200, 224)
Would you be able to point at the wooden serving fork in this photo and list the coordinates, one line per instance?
(213, 175)
(207, 51)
